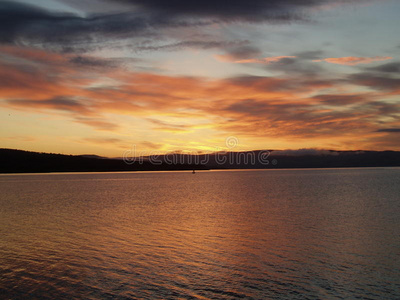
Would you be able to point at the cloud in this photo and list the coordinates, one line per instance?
(39, 75)
(27, 24)
(265, 60)
(168, 127)
(250, 107)
(79, 112)
(239, 53)
(226, 10)
(151, 145)
(376, 81)
(248, 55)
(343, 99)
(298, 64)
(99, 124)
(93, 62)
(389, 130)
(387, 68)
(352, 60)
(103, 140)
(198, 44)
(296, 119)
(56, 103)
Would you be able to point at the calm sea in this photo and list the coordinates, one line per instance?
(268, 234)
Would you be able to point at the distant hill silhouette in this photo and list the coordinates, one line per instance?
(315, 159)
(305, 158)
(18, 161)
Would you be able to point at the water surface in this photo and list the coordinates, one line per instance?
(267, 234)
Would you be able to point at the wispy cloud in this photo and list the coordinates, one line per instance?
(197, 44)
(251, 11)
(389, 130)
(393, 67)
(352, 60)
(265, 60)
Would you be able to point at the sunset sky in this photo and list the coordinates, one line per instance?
(104, 76)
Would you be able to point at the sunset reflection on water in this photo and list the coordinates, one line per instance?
(214, 235)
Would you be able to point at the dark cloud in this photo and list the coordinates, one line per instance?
(232, 10)
(339, 100)
(28, 24)
(243, 52)
(393, 67)
(24, 23)
(299, 65)
(386, 109)
(279, 84)
(389, 130)
(193, 44)
(18, 17)
(302, 63)
(375, 81)
(92, 62)
(56, 103)
(80, 112)
(261, 83)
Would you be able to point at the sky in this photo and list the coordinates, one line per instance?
(153, 76)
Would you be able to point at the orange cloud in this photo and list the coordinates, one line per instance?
(352, 60)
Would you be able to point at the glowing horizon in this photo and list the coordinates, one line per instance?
(99, 77)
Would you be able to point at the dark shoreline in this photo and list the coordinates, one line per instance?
(22, 162)
(188, 170)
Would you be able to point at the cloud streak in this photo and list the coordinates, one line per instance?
(249, 11)
(262, 61)
(352, 60)
(389, 130)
